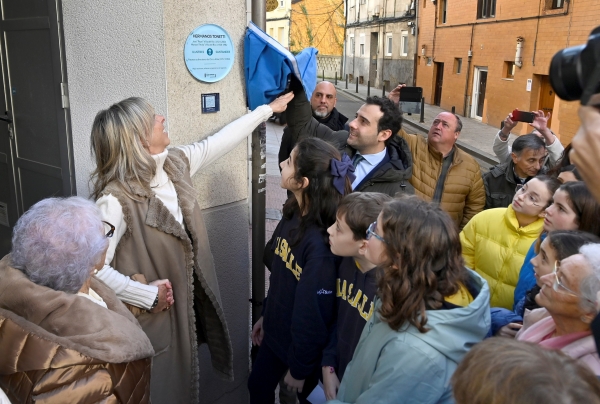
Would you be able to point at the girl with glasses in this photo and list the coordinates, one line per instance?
(573, 208)
(495, 241)
(300, 307)
(429, 312)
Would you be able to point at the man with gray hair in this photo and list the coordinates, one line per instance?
(527, 160)
(540, 128)
(590, 287)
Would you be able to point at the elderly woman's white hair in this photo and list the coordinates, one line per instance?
(590, 286)
(58, 241)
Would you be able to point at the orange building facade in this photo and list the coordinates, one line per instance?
(487, 57)
(317, 23)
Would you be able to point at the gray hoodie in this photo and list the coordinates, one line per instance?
(407, 366)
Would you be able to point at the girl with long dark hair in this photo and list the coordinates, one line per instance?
(299, 309)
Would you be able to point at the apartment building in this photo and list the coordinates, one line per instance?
(486, 57)
(380, 43)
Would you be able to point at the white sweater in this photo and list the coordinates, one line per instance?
(200, 154)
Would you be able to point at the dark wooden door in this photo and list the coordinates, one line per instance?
(481, 91)
(36, 159)
(546, 97)
(439, 81)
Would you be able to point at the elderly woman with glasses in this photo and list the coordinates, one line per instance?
(495, 241)
(145, 190)
(567, 325)
(65, 337)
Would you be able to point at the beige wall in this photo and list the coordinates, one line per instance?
(117, 49)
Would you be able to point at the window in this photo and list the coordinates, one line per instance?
(271, 33)
(363, 1)
(457, 65)
(351, 45)
(361, 45)
(404, 43)
(443, 9)
(281, 3)
(509, 70)
(554, 4)
(486, 8)
(428, 61)
(388, 44)
(280, 34)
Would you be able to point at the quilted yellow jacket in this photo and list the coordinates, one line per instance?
(464, 192)
(495, 246)
(60, 348)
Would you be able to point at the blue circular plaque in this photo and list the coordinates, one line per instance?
(208, 53)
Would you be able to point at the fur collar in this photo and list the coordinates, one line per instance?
(111, 335)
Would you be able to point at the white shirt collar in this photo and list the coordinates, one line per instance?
(160, 178)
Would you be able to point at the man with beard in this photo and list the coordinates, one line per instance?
(322, 102)
(381, 158)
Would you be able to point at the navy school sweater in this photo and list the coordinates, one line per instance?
(300, 308)
(355, 292)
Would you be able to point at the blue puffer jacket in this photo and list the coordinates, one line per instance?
(526, 275)
(407, 366)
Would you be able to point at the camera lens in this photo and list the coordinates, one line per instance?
(565, 73)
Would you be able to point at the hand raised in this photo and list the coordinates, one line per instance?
(280, 103)
(394, 95)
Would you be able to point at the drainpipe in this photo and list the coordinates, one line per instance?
(415, 57)
(470, 56)
(259, 177)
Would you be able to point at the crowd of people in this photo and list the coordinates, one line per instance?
(398, 272)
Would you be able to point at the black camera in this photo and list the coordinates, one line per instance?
(575, 71)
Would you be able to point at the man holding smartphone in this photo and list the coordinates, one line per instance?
(540, 124)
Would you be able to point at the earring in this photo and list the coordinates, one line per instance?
(95, 271)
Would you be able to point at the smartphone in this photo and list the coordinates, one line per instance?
(522, 116)
(411, 94)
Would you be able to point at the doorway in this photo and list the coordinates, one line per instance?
(479, 85)
(546, 97)
(373, 57)
(439, 80)
(36, 159)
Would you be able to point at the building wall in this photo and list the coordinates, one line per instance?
(493, 42)
(278, 22)
(317, 23)
(118, 49)
(376, 64)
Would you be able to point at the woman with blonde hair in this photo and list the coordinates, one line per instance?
(146, 191)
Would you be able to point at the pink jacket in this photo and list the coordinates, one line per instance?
(579, 346)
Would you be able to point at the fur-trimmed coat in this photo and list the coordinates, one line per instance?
(59, 348)
(156, 245)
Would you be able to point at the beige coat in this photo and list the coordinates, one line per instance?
(464, 193)
(157, 246)
(57, 347)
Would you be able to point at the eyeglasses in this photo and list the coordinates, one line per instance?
(560, 287)
(528, 198)
(111, 231)
(371, 232)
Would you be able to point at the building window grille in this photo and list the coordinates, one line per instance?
(388, 44)
(457, 65)
(486, 8)
(443, 11)
(404, 43)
